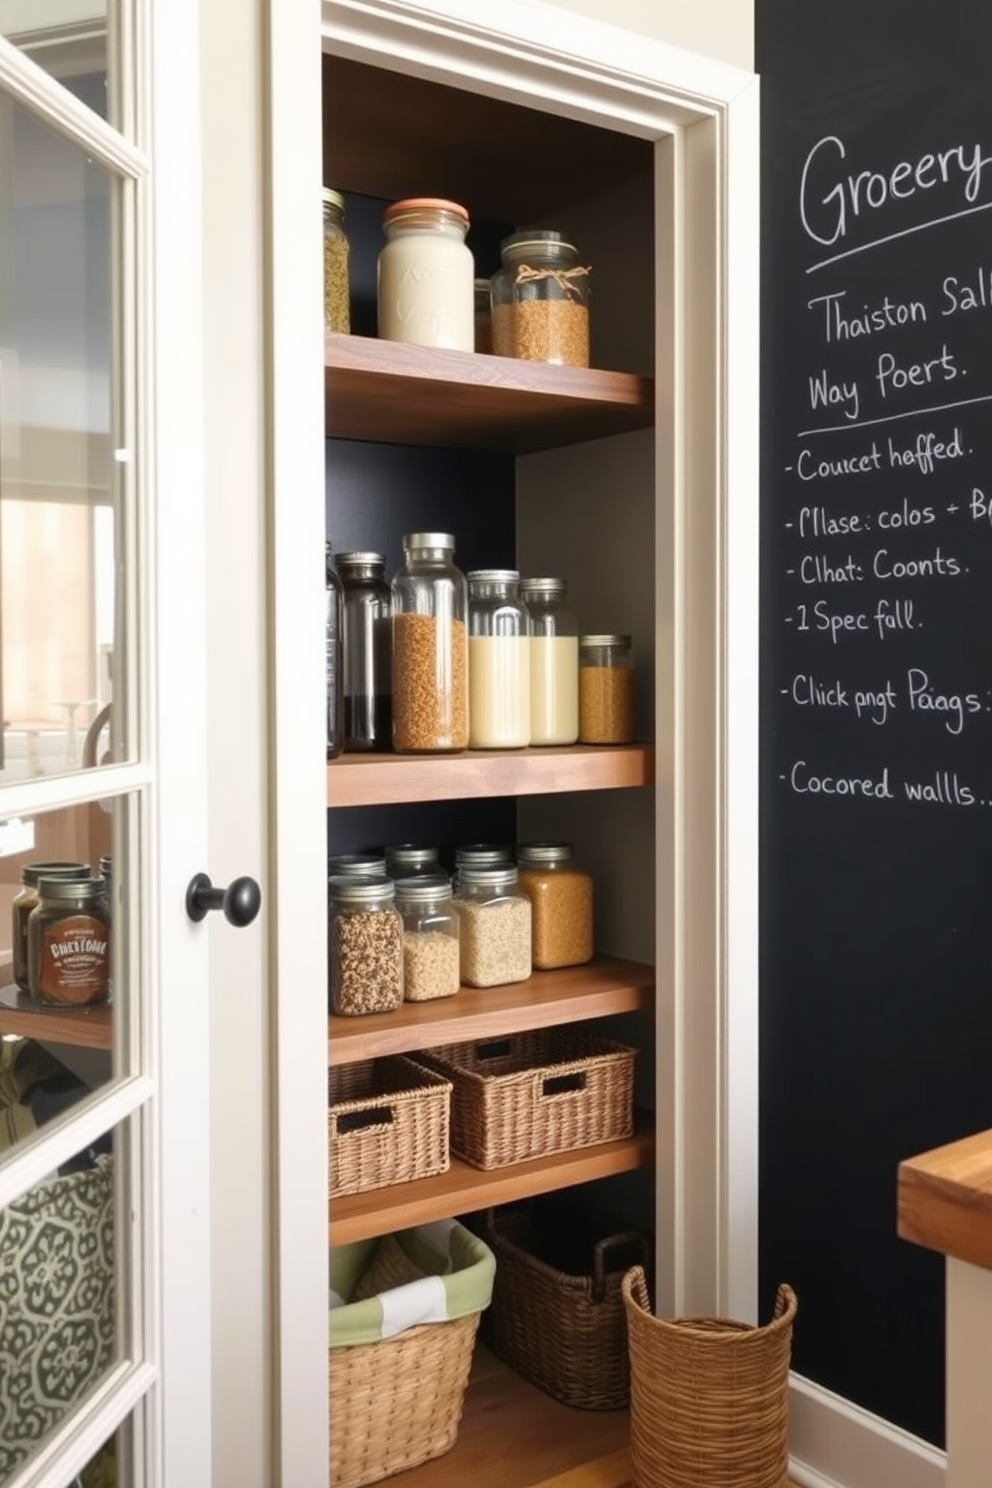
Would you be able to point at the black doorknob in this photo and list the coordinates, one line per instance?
(240, 901)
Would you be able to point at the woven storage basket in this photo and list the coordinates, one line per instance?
(533, 1094)
(708, 1396)
(557, 1314)
(387, 1122)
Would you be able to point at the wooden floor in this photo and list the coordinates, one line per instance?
(514, 1436)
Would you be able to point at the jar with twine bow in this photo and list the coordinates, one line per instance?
(541, 300)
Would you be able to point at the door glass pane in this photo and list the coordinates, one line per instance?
(70, 40)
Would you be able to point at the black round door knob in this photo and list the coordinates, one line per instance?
(240, 901)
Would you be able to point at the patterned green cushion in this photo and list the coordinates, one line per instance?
(56, 1305)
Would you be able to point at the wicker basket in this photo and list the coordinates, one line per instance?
(387, 1122)
(709, 1396)
(557, 1315)
(533, 1094)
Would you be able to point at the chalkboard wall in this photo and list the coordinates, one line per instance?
(876, 643)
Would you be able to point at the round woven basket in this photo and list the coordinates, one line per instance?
(708, 1396)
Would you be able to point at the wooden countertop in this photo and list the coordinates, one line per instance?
(945, 1199)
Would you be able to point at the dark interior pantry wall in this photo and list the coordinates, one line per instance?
(876, 956)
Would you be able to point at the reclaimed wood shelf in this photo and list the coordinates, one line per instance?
(945, 1199)
(390, 779)
(463, 1188)
(606, 985)
(393, 393)
(83, 1027)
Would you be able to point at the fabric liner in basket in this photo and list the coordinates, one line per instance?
(708, 1395)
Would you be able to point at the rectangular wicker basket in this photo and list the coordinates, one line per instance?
(537, 1093)
(387, 1122)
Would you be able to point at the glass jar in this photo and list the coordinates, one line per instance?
(430, 938)
(498, 661)
(357, 865)
(541, 300)
(561, 904)
(413, 860)
(367, 651)
(554, 662)
(430, 650)
(337, 312)
(426, 275)
(25, 901)
(365, 949)
(483, 316)
(333, 607)
(69, 943)
(495, 924)
(606, 689)
(480, 855)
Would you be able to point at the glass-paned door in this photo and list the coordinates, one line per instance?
(104, 1198)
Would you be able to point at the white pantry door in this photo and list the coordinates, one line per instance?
(105, 1349)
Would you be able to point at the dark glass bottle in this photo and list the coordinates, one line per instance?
(368, 645)
(333, 627)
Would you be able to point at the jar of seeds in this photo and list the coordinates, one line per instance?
(541, 300)
(430, 938)
(481, 855)
(561, 904)
(365, 951)
(606, 690)
(495, 918)
(413, 860)
(337, 314)
(430, 648)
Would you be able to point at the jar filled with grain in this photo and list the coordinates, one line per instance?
(430, 937)
(337, 311)
(25, 901)
(561, 904)
(541, 300)
(481, 855)
(368, 864)
(430, 648)
(498, 661)
(606, 689)
(367, 642)
(365, 945)
(554, 662)
(426, 275)
(413, 860)
(495, 920)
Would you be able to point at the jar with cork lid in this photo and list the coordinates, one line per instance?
(540, 310)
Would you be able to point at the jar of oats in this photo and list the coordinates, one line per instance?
(540, 310)
(365, 945)
(495, 918)
(561, 904)
(606, 689)
(430, 937)
(337, 313)
(430, 647)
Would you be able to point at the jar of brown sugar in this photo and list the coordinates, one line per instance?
(561, 904)
(606, 689)
(540, 310)
(69, 943)
(27, 900)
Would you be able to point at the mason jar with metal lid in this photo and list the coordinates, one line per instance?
(426, 275)
(561, 904)
(25, 901)
(413, 859)
(606, 689)
(337, 307)
(365, 949)
(430, 937)
(495, 918)
(498, 661)
(367, 643)
(69, 943)
(371, 864)
(481, 855)
(430, 647)
(541, 300)
(554, 662)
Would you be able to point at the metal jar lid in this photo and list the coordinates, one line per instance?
(416, 540)
(373, 892)
(361, 560)
(106, 865)
(535, 240)
(622, 641)
(503, 877)
(494, 576)
(482, 855)
(406, 857)
(429, 888)
(544, 852)
(332, 198)
(72, 888)
(32, 873)
(553, 588)
(357, 865)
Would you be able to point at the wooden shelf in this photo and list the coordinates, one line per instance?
(605, 986)
(463, 1189)
(397, 394)
(390, 779)
(84, 1027)
(945, 1199)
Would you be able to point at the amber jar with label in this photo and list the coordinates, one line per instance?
(27, 900)
(69, 943)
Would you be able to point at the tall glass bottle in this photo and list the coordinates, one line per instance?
(430, 647)
(367, 642)
(498, 661)
(333, 607)
(554, 662)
